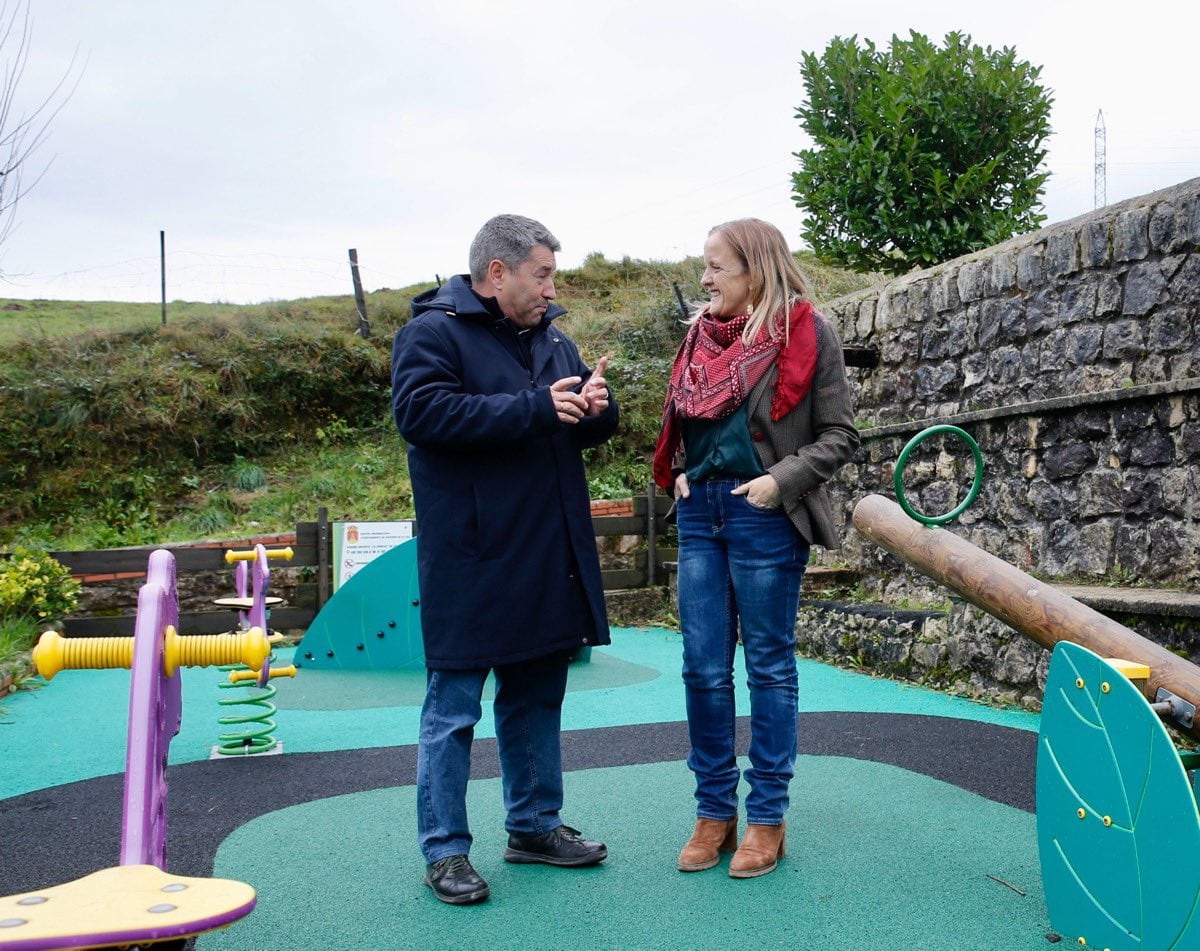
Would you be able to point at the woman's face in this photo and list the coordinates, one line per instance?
(725, 278)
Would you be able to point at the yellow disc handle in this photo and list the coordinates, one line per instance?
(213, 650)
(237, 676)
(55, 652)
(232, 555)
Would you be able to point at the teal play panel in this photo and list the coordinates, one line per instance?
(373, 620)
(1117, 825)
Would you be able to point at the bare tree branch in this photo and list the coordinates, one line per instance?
(23, 132)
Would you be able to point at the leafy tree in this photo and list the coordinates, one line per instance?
(921, 154)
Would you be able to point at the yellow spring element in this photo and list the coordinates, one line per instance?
(237, 676)
(55, 652)
(231, 556)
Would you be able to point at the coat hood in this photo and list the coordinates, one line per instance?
(457, 298)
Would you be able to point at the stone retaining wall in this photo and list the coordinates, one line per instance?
(1072, 356)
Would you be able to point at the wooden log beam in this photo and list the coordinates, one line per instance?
(1031, 607)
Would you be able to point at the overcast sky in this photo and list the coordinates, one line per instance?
(267, 137)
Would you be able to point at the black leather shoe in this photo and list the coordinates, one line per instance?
(561, 846)
(455, 882)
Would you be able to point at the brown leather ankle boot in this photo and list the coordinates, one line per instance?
(710, 838)
(759, 852)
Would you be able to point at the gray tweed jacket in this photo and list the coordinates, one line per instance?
(805, 449)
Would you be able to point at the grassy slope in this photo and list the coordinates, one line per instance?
(197, 437)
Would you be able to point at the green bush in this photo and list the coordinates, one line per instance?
(921, 154)
(34, 585)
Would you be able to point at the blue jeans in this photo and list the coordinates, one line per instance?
(528, 715)
(739, 562)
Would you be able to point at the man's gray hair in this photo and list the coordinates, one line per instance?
(508, 238)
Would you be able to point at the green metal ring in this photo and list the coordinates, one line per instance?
(898, 480)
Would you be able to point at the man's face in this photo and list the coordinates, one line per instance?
(525, 294)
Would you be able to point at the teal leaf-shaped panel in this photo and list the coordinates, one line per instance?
(1122, 875)
(373, 621)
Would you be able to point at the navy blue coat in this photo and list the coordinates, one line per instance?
(506, 554)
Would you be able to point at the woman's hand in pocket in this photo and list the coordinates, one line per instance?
(682, 489)
(762, 492)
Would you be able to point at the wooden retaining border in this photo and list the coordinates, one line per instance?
(312, 545)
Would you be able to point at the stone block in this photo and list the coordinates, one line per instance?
(1005, 366)
(1053, 349)
(974, 367)
(1123, 340)
(1095, 547)
(1100, 493)
(1031, 267)
(1046, 499)
(1131, 240)
(864, 320)
(1096, 243)
(1062, 253)
(1069, 460)
(935, 341)
(1108, 295)
(1151, 369)
(928, 654)
(1145, 288)
(1060, 549)
(1184, 286)
(1083, 344)
(1167, 230)
(1010, 312)
(935, 381)
(1042, 311)
(970, 281)
(1171, 329)
(944, 293)
(1077, 302)
(1169, 544)
(1002, 273)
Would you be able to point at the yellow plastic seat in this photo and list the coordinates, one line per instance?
(128, 904)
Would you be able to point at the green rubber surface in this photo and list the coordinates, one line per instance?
(877, 858)
(74, 727)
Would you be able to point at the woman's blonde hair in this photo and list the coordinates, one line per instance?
(776, 283)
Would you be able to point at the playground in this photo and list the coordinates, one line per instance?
(911, 818)
(291, 819)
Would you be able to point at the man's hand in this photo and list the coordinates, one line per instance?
(569, 405)
(762, 492)
(595, 390)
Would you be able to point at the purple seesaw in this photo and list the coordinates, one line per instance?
(137, 902)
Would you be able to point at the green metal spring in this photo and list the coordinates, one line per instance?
(257, 727)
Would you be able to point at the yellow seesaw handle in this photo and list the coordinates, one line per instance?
(231, 556)
(237, 676)
(55, 652)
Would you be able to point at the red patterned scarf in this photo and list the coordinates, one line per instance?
(715, 370)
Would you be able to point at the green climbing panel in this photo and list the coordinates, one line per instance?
(1117, 825)
(372, 622)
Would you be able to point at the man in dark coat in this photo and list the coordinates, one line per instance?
(496, 407)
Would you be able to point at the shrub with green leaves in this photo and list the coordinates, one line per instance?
(921, 153)
(34, 585)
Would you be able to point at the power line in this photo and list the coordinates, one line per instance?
(1100, 186)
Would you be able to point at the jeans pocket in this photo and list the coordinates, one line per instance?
(761, 508)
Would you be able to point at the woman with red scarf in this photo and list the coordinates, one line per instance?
(758, 418)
